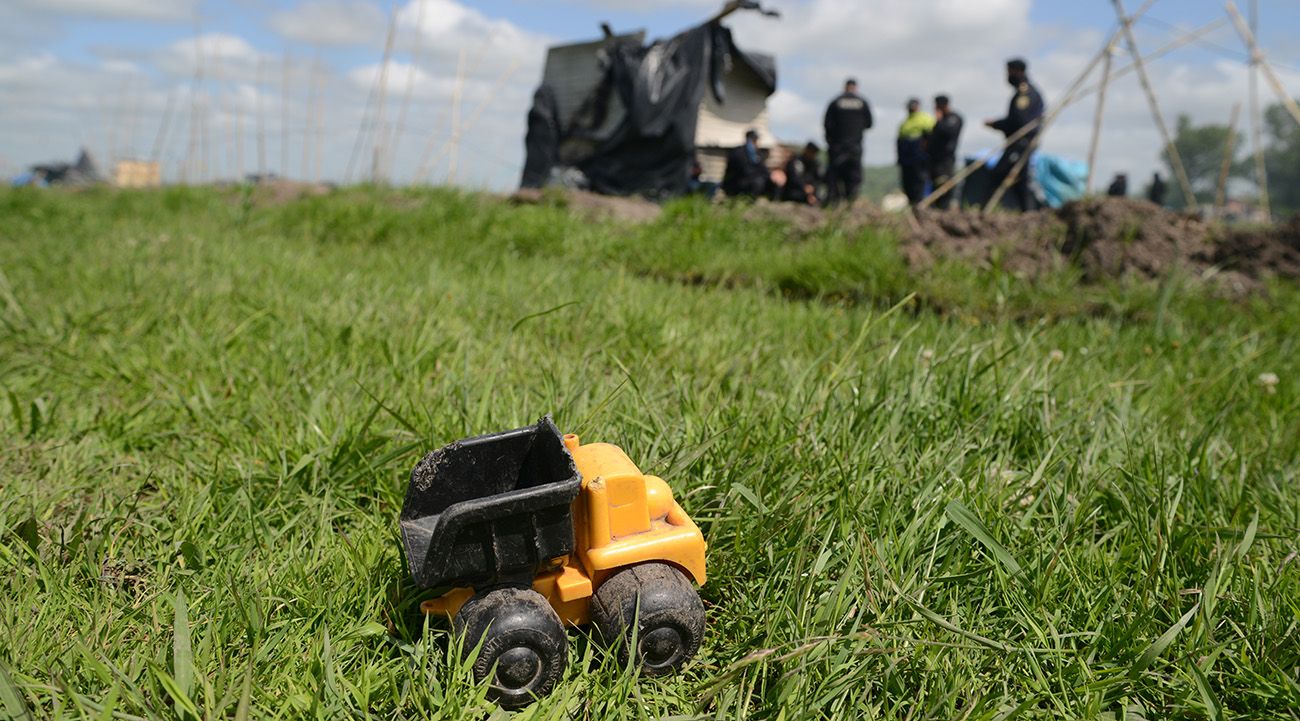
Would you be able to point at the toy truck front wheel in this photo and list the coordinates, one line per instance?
(655, 607)
(523, 650)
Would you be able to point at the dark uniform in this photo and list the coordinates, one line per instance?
(746, 175)
(847, 118)
(1156, 194)
(1026, 107)
(800, 173)
(1118, 187)
(942, 146)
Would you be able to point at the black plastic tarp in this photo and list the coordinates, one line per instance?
(661, 85)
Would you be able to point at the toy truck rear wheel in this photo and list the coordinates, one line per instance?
(660, 605)
(524, 649)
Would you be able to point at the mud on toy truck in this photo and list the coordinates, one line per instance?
(528, 531)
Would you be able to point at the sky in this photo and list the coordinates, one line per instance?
(215, 88)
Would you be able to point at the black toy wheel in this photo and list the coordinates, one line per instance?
(663, 607)
(524, 648)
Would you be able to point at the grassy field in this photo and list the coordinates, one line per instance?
(953, 494)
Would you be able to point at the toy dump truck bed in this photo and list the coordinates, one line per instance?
(493, 509)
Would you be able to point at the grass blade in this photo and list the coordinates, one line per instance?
(14, 705)
(971, 523)
(182, 651)
(1158, 647)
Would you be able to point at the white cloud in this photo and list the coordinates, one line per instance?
(331, 22)
(163, 10)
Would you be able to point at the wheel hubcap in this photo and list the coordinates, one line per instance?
(518, 667)
(661, 646)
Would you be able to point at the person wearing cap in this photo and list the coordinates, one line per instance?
(1026, 107)
(942, 148)
(746, 175)
(802, 175)
(847, 117)
(913, 163)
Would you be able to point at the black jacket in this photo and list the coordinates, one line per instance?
(799, 174)
(744, 176)
(942, 144)
(847, 118)
(1026, 107)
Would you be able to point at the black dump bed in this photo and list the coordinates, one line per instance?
(490, 509)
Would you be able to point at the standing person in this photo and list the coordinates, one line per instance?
(847, 118)
(802, 175)
(913, 163)
(1026, 107)
(942, 147)
(1156, 193)
(1118, 186)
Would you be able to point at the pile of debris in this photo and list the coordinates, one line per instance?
(1109, 238)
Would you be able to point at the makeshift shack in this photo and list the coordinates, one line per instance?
(621, 117)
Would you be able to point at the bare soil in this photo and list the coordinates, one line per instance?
(1102, 237)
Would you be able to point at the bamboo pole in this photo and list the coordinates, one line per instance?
(367, 119)
(454, 152)
(1258, 60)
(1256, 119)
(318, 77)
(284, 115)
(1229, 150)
(308, 123)
(1097, 118)
(192, 148)
(261, 118)
(161, 138)
(477, 112)
(378, 130)
(417, 54)
(1175, 159)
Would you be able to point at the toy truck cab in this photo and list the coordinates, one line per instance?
(528, 530)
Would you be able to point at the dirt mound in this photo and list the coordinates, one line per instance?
(1107, 238)
(593, 206)
(1022, 244)
(1113, 237)
(1274, 249)
(280, 191)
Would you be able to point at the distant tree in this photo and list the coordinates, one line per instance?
(1201, 148)
(1282, 158)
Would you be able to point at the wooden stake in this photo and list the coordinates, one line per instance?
(192, 150)
(1257, 59)
(1175, 159)
(395, 138)
(308, 124)
(378, 129)
(318, 77)
(1097, 118)
(161, 138)
(284, 116)
(1229, 150)
(261, 118)
(455, 119)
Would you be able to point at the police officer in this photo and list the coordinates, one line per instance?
(1026, 107)
(913, 162)
(847, 118)
(802, 175)
(746, 175)
(942, 147)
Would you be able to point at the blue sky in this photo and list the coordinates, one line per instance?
(103, 72)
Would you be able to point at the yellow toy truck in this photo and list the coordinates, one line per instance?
(528, 531)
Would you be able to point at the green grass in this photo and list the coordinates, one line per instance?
(950, 494)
